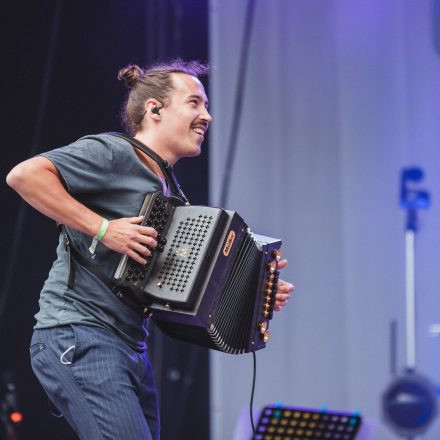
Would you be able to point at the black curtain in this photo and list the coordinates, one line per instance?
(59, 82)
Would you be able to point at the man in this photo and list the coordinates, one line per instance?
(88, 347)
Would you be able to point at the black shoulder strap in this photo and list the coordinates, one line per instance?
(121, 293)
(165, 167)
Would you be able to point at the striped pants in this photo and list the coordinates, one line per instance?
(103, 388)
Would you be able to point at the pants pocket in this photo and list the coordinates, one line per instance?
(37, 348)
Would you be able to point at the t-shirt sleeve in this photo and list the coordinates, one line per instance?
(85, 165)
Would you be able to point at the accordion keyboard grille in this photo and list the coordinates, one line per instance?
(184, 252)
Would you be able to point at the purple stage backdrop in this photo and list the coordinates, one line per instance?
(339, 96)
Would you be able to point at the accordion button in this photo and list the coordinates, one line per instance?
(263, 326)
(266, 336)
(272, 266)
(277, 254)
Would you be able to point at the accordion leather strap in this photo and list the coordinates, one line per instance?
(165, 167)
(75, 255)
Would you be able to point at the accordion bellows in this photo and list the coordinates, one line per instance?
(210, 281)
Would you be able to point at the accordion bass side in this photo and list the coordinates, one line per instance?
(210, 281)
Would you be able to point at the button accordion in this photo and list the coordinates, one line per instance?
(210, 281)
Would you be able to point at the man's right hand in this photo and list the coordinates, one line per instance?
(126, 236)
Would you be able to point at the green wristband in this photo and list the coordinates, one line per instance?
(99, 236)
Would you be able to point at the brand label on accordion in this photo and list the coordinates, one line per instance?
(229, 243)
(183, 252)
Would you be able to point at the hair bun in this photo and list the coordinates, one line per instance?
(130, 74)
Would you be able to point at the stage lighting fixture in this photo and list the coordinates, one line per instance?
(409, 404)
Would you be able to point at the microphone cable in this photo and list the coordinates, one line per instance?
(254, 356)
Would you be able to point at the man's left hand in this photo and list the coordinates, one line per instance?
(284, 289)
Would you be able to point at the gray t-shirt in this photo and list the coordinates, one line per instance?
(104, 173)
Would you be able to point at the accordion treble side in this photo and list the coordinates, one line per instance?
(212, 282)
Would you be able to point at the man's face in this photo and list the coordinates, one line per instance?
(185, 118)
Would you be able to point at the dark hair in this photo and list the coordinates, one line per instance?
(153, 82)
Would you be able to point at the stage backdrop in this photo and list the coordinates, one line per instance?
(339, 96)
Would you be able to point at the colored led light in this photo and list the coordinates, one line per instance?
(16, 417)
(295, 423)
